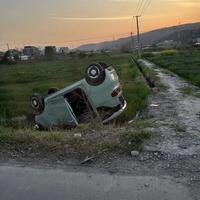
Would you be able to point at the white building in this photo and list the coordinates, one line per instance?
(197, 42)
(167, 44)
(24, 57)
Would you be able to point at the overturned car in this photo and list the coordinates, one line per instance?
(97, 95)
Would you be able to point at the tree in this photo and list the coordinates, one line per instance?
(8, 58)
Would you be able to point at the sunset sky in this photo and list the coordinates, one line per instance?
(74, 22)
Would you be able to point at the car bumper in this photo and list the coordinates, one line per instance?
(116, 114)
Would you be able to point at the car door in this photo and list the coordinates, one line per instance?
(57, 113)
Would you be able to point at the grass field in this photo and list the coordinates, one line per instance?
(18, 82)
(185, 63)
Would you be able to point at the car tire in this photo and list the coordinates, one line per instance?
(37, 103)
(104, 65)
(52, 90)
(95, 74)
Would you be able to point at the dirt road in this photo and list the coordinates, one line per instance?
(176, 117)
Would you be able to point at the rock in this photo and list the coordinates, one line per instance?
(135, 153)
(151, 130)
(155, 153)
(67, 146)
(77, 135)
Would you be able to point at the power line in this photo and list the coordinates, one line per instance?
(138, 6)
(81, 40)
(142, 7)
(146, 5)
(87, 39)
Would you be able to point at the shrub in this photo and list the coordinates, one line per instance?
(168, 52)
(147, 55)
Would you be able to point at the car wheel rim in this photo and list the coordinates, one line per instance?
(34, 103)
(93, 72)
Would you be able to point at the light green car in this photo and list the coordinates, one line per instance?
(97, 95)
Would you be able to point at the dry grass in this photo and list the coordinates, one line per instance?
(80, 141)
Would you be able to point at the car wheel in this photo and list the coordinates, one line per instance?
(95, 74)
(52, 90)
(37, 103)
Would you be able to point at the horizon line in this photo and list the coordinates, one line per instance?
(90, 18)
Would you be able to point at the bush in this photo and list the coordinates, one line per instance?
(168, 52)
(147, 55)
(82, 55)
(9, 58)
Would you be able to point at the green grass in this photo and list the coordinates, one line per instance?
(134, 140)
(142, 124)
(185, 63)
(18, 82)
(190, 91)
(179, 128)
(168, 52)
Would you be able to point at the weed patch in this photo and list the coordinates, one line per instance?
(60, 143)
(134, 140)
(179, 128)
(190, 91)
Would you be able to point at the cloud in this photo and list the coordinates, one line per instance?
(187, 3)
(91, 18)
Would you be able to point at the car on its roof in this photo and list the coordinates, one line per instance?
(98, 95)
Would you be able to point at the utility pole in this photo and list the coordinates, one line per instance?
(132, 42)
(138, 36)
(8, 47)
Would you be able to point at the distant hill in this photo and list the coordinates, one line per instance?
(184, 36)
(148, 38)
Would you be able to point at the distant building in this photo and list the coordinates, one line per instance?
(42, 51)
(167, 44)
(31, 51)
(197, 42)
(63, 50)
(50, 52)
(53, 48)
(24, 58)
